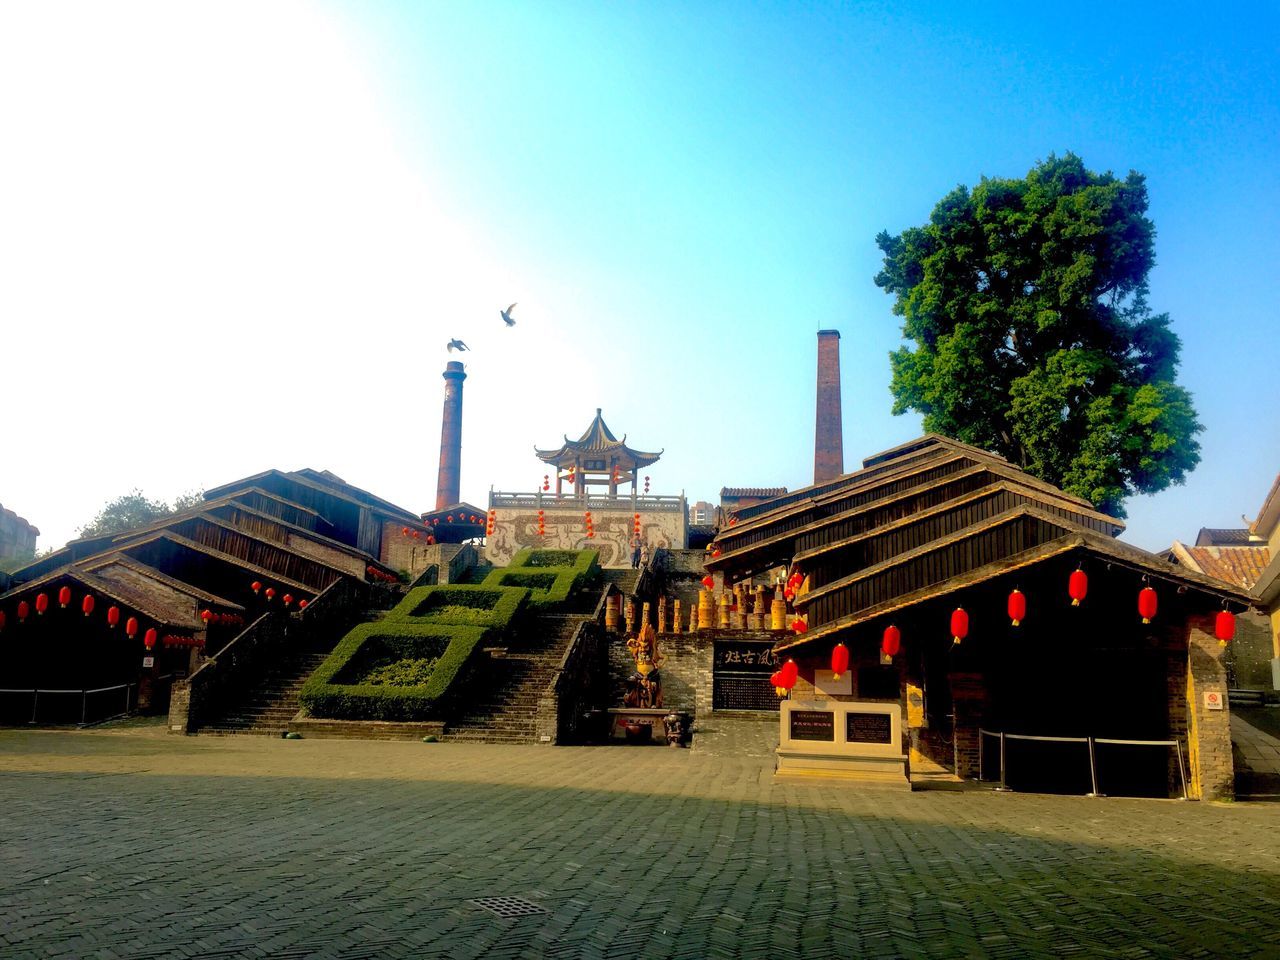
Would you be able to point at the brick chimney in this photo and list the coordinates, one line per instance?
(449, 482)
(828, 439)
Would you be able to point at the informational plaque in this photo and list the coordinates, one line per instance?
(868, 728)
(813, 725)
(148, 663)
(1212, 700)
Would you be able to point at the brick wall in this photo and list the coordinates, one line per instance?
(1212, 773)
(686, 673)
(516, 528)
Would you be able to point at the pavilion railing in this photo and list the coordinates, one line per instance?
(574, 501)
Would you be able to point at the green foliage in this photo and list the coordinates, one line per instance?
(133, 510)
(1025, 302)
(462, 604)
(548, 585)
(402, 673)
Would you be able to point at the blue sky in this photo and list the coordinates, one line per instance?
(679, 196)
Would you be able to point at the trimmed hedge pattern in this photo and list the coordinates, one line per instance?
(335, 690)
(549, 575)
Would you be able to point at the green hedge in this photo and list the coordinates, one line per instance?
(335, 689)
(549, 575)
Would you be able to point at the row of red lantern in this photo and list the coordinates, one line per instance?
(417, 535)
(380, 575)
(635, 524)
(212, 619)
(542, 522)
(784, 678)
(179, 640)
(794, 582)
(646, 484)
(546, 482)
(87, 606)
(591, 526)
(490, 522)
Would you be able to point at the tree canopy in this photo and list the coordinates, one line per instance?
(132, 510)
(1025, 304)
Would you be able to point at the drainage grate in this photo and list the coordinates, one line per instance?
(508, 906)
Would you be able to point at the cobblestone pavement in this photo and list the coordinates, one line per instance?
(134, 844)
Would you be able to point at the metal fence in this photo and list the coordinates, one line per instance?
(81, 706)
(1090, 742)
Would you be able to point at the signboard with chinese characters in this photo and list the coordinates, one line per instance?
(868, 728)
(817, 725)
(741, 657)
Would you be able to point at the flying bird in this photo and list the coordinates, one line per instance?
(506, 316)
(457, 345)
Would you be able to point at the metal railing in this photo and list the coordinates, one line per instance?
(1091, 742)
(84, 693)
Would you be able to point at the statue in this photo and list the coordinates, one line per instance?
(645, 685)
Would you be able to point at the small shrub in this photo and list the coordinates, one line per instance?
(402, 673)
(547, 558)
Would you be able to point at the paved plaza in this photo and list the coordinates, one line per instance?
(130, 843)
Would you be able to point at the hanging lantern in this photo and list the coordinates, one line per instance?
(430, 539)
(709, 581)
(891, 642)
(776, 681)
(959, 624)
(1147, 604)
(417, 534)
(798, 625)
(789, 594)
(449, 518)
(287, 599)
(42, 603)
(303, 604)
(64, 597)
(131, 627)
(1078, 586)
(113, 616)
(1017, 606)
(839, 660)
(206, 615)
(87, 604)
(435, 521)
(789, 674)
(256, 586)
(270, 592)
(715, 554)
(149, 638)
(1224, 627)
(24, 610)
(1, 619)
(404, 531)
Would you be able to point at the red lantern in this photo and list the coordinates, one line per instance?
(24, 610)
(776, 681)
(287, 599)
(708, 581)
(87, 604)
(1078, 586)
(435, 521)
(1017, 607)
(891, 642)
(131, 627)
(430, 540)
(839, 660)
(1147, 604)
(149, 639)
(449, 518)
(1224, 627)
(113, 616)
(404, 531)
(64, 597)
(417, 534)
(1, 619)
(206, 616)
(42, 603)
(789, 673)
(271, 592)
(302, 604)
(799, 626)
(789, 594)
(256, 586)
(959, 624)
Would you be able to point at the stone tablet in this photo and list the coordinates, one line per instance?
(813, 725)
(868, 728)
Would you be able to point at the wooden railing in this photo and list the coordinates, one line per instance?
(574, 501)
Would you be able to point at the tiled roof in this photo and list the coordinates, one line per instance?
(598, 439)
(752, 491)
(1212, 537)
(1238, 566)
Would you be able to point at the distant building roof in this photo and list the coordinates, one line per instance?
(752, 492)
(1269, 513)
(1210, 537)
(1240, 566)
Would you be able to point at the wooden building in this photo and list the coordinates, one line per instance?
(942, 542)
(122, 614)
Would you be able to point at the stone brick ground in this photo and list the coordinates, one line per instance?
(134, 844)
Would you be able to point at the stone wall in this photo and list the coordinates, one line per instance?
(17, 537)
(686, 673)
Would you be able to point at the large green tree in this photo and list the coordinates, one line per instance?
(134, 509)
(1025, 304)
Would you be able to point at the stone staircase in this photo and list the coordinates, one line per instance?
(505, 709)
(268, 706)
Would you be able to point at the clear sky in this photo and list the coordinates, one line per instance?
(236, 236)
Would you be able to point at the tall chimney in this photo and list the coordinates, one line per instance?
(449, 482)
(828, 439)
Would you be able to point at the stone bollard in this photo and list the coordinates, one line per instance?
(662, 614)
(778, 611)
(644, 616)
(723, 619)
(741, 619)
(677, 626)
(631, 617)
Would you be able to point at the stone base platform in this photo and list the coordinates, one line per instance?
(322, 729)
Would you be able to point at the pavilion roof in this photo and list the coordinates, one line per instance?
(597, 442)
